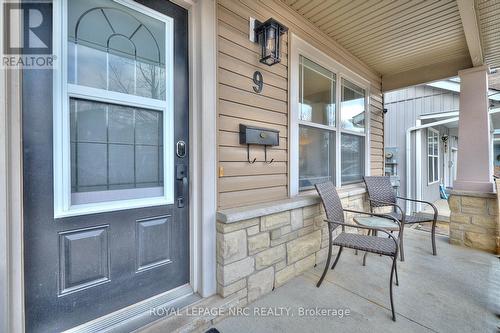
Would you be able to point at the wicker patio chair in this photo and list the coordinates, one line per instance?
(373, 244)
(381, 194)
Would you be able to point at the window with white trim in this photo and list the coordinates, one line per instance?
(113, 134)
(317, 130)
(432, 155)
(352, 112)
(331, 140)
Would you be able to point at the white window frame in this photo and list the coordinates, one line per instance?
(434, 133)
(63, 91)
(299, 47)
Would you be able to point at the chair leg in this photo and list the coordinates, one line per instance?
(328, 258)
(364, 258)
(396, 272)
(433, 235)
(366, 253)
(401, 247)
(390, 288)
(337, 258)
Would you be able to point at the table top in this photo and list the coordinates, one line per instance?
(376, 222)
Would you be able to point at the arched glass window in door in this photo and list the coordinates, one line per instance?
(119, 103)
(111, 47)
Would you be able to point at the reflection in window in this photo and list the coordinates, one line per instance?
(352, 107)
(316, 93)
(317, 156)
(115, 48)
(115, 148)
(352, 158)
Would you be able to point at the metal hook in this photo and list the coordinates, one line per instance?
(265, 156)
(248, 156)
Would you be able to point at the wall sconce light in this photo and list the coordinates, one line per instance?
(268, 35)
(444, 138)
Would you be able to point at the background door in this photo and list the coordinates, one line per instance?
(114, 230)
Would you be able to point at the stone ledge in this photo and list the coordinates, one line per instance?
(488, 195)
(248, 212)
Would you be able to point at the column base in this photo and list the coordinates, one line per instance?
(474, 186)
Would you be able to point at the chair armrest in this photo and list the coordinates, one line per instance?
(390, 204)
(424, 202)
(385, 216)
(363, 227)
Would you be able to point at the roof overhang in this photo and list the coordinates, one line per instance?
(411, 42)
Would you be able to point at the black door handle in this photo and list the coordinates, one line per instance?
(181, 176)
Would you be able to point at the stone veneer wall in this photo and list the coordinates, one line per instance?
(474, 220)
(256, 255)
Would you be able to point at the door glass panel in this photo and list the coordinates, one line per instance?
(115, 48)
(317, 156)
(316, 93)
(116, 152)
(352, 107)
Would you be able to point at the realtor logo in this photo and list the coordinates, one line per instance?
(35, 21)
(27, 37)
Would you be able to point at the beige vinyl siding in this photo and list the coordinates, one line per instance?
(241, 183)
(376, 132)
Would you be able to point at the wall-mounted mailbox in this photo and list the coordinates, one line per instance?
(250, 135)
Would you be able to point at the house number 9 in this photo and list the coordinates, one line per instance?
(259, 82)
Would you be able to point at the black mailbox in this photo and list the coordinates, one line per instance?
(250, 135)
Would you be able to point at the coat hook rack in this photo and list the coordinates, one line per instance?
(250, 135)
(248, 156)
(265, 156)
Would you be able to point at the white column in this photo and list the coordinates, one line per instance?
(474, 165)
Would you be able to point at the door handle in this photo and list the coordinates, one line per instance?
(181, 176)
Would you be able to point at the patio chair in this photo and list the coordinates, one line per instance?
(373, 244)
(382, 194)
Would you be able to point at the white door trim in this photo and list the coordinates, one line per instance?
(11, 196)
(203, 131)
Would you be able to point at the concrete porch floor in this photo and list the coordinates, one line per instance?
(456, 291)
(443, 210)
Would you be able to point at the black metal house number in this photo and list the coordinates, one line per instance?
(259, 82)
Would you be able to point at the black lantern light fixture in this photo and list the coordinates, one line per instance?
(268, 35)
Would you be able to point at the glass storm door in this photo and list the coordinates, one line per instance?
(105, 191)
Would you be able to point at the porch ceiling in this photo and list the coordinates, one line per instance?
(411, 41)
(489, 18)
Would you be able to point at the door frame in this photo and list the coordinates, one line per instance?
(202, 23)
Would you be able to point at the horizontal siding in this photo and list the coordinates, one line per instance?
(241, 183)
(376, 132)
